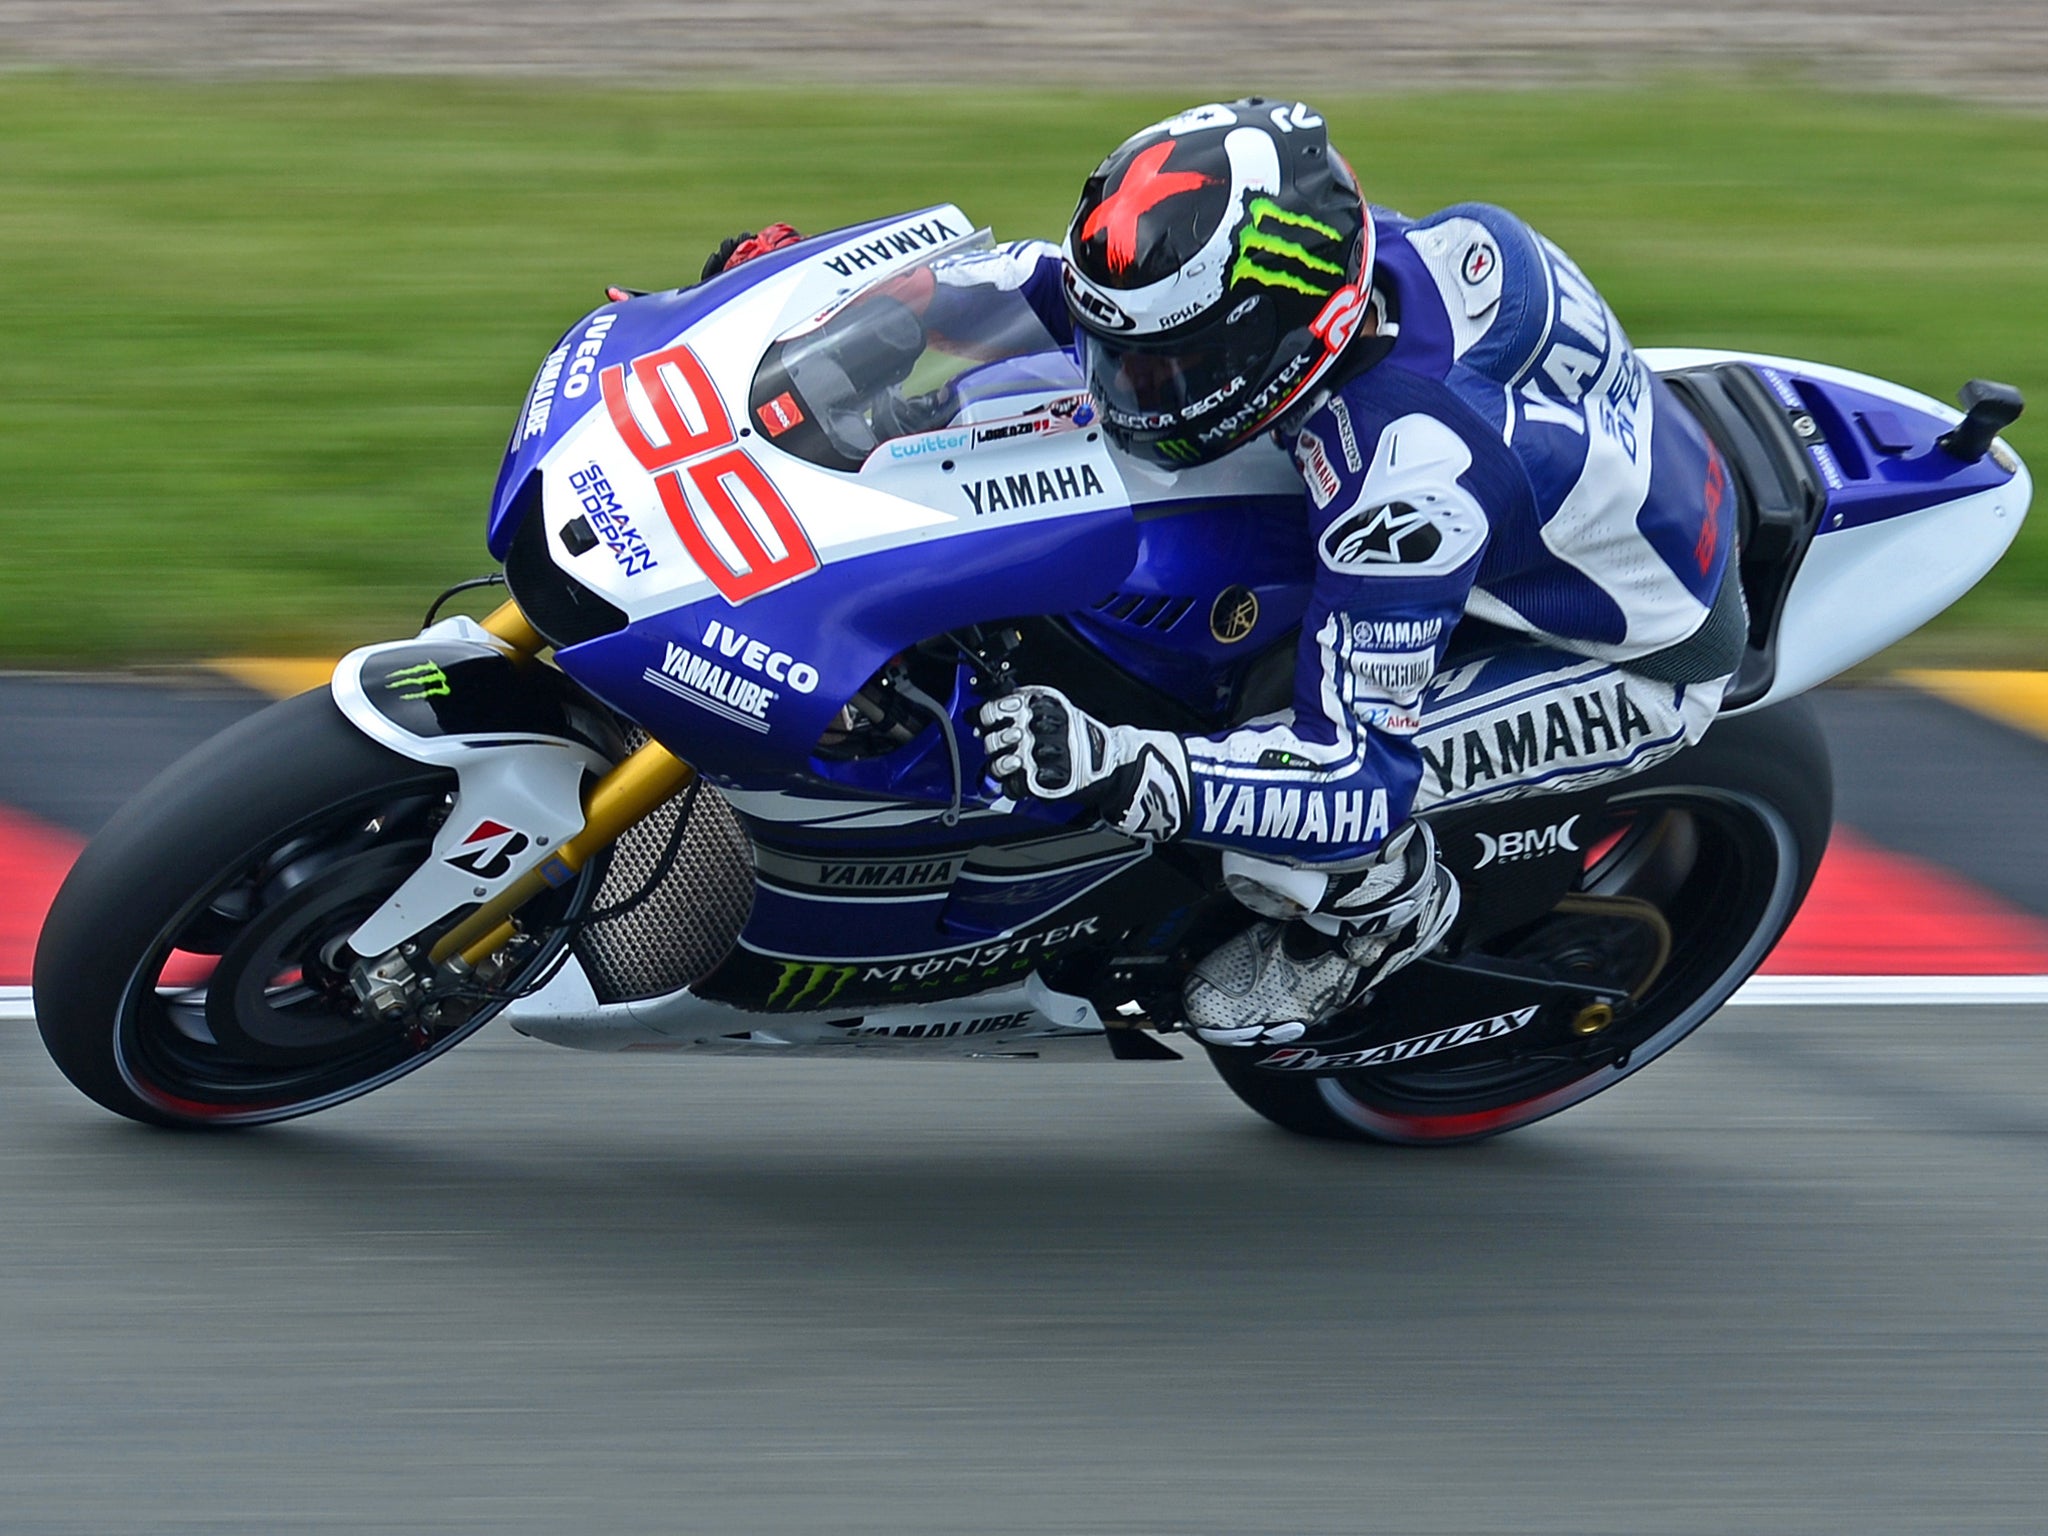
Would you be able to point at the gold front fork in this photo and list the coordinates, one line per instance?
(624, 797)
(510, 625)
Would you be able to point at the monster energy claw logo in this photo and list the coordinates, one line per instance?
(1180, 448)
(1267, 250)
(805, 984)
(422, 680)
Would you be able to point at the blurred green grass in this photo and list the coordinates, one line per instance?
(260, 345)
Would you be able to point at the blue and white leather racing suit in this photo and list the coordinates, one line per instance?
(1507, 458)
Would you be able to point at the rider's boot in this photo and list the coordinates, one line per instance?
(1281, 977)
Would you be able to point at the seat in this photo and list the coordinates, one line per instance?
(1779, 501)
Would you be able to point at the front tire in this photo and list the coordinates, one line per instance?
(1727, 837)
(192, 970)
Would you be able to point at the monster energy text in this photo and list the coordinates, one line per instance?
(1016, 954)
(1267, 399)
(802, 985)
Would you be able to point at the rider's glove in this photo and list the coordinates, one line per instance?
(1039, 744)
(738, 249)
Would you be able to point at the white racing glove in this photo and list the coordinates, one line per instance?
(1040, 745)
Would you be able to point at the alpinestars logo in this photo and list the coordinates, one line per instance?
(488, 852)
(1394, 534)
(1270, 252)
(1158, 808)
(1302, 1058)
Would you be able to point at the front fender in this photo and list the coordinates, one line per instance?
(520, 737)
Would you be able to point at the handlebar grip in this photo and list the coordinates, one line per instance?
(1990, 408)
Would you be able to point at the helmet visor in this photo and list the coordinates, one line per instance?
(1157, 385)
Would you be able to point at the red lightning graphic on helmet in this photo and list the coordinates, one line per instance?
(1145, 186)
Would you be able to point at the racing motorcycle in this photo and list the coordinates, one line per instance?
(707, 781)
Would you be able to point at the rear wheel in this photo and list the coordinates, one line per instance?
(194, 967)
(1693, 871)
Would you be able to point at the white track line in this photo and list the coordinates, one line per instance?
(16, 1005)
(1824, 991)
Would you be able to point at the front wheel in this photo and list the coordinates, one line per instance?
(193, 969)
(1722, 841)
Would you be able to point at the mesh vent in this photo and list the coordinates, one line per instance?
(1143, 612)
(688, 924)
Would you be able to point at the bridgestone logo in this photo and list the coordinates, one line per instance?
(1303, 1058)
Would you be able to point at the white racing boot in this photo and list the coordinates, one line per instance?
(1278, 979)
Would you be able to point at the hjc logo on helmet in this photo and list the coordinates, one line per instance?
(1217, 265)
(1088, 302)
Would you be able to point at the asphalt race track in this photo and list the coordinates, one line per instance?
(1787, 1281)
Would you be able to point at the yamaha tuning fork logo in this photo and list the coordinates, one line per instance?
(1234, 614)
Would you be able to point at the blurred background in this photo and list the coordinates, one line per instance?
(273, 278)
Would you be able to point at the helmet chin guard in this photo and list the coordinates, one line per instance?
(1216, 267)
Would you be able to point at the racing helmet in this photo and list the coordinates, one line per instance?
(1216, 266)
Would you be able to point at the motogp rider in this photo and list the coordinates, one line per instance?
(1481, 450)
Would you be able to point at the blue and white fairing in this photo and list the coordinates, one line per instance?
(565, 389)
(1014, 506)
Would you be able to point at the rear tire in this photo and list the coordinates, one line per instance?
(190, 971)
(1756, 798)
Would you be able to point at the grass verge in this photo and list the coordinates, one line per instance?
(260, 344)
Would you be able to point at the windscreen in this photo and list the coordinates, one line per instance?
(950, 340)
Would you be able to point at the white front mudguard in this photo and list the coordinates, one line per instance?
(516, 735)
